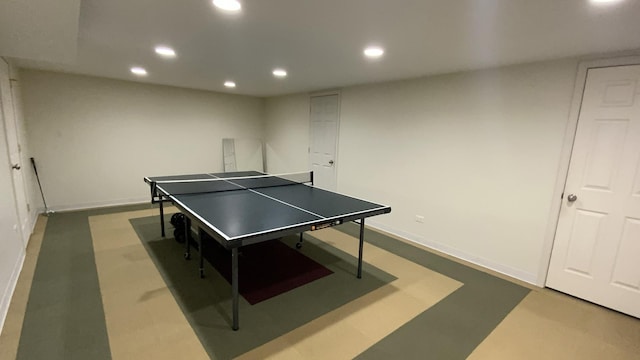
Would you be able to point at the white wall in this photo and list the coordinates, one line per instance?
(286, 133)
(95, 139)
(475, 153)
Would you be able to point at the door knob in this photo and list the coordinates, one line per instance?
(330, 162)
(16, 166)
(572, 197)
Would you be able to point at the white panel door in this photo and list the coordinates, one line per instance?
(323, 125)
(11, 246)
(596, 252)
(13, 147)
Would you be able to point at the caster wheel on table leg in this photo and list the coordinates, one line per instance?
(187, 256)
(299, 245)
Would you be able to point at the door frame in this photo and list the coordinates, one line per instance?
(337, 92)
(19, 185)
(567, 149)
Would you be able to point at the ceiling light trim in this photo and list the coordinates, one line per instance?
(228, 5)
(139, 71)
(373, 52)
(165, 51)
(279, 72)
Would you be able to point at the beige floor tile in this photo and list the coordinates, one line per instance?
(279, 349)
(550, 325)
(128, 277)
(326, 340)
(176, 348)
(143, 319)
(134, 343)
(119, 238)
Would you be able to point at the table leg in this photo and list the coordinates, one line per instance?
(299, 243)
(187, 230)
(201, 250)
(360, 250)
(162, 217)
(234, 286)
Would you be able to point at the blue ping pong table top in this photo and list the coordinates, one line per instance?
(262, 213)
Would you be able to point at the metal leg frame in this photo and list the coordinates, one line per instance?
(154, 196)
(299, 243)
(162, 217)
(234, 287)
(234, 270)
(201, 251)
(187, 229)
(234, 264)
(360, 250)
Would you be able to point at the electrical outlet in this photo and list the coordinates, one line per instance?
(420, 219)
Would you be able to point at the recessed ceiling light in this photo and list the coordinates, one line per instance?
(229, 84)
(604, 2)
(139, 71)
(228, 5)
(165, 51)
(279, 73)
(373, 52)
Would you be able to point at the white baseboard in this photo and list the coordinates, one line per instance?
(456, 253)
(31, 225)
(99, 204)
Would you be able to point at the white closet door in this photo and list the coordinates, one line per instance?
(596, 253)
(323, 121)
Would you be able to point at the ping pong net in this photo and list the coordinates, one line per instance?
(212, 183)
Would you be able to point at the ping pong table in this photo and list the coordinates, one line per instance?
(243, 208)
